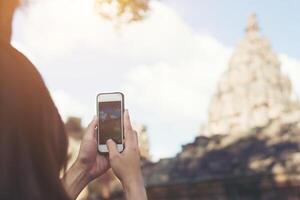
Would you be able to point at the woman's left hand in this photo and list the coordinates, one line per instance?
(89, 160)
(88, 165)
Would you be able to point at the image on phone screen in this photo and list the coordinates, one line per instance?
(110, 122)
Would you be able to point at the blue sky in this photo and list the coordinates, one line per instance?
(225, 20)
(167, 65)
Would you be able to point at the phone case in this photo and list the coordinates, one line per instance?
(97, 105)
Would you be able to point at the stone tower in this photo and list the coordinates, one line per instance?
(143, 141)
(252, 92)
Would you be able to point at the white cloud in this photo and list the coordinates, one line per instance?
(166, 69)
(291, 67)
(69, 106)
(179, 86)
(58, 26)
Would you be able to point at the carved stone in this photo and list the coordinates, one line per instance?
(252, 92)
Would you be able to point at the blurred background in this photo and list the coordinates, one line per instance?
(212, 88)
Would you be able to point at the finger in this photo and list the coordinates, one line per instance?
(91, 129)
(127, 129)
(127, 123)
(129, 138)
(104, 159)
(112, 148)
(132, 139)
(135, 138)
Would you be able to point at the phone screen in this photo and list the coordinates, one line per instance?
(110, 127)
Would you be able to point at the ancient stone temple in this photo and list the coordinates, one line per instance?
(143, 141)
(250, 146)
(252, 92)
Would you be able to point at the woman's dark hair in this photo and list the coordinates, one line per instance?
(33, 142)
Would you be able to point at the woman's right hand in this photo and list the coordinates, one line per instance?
(126, 165)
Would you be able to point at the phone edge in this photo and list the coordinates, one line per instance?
(123, 110)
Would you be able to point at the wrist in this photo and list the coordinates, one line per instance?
(133, 182)
(75, 179)
(82, 171)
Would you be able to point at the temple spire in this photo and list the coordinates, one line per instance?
(252, 25)
(252, 92)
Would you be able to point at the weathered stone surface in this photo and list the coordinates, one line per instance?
(143, 141)
(221, 156)
(251, 142)
(252, 92)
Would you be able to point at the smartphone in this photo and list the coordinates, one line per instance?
(110, 111)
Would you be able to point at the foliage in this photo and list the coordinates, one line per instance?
(123, 10)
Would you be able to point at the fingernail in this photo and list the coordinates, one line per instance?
(108, 141)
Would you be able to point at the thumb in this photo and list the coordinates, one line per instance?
(112, 148)
(91, 129)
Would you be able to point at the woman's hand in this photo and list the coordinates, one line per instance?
(88, 165)
(126, 165)
(89, 160)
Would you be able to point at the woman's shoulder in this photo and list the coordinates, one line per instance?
(11, 55)
(12, 60)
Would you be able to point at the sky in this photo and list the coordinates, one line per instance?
(167, 66)
(225, 20)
